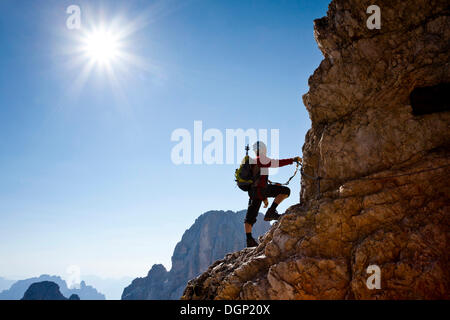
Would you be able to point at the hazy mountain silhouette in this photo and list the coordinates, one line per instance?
(18, 289)
(46, 290)
(5, 283)
(112, 288)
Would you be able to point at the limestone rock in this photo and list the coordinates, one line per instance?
(150, 287)
(384, 193)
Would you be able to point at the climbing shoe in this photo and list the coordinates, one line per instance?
(251, 242)
(271, 214)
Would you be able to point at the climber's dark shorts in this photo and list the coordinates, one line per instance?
(254, 202)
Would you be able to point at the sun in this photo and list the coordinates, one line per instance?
(101, 46)
(108, 51)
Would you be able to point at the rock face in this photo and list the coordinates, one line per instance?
(384, 193)
(151, 287)
(46, 290)
(17, 290)
(211, 237)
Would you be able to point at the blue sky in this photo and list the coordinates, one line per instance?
(86, 173)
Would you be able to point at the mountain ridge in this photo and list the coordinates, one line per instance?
(18, 289)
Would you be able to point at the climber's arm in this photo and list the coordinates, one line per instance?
(276, 163)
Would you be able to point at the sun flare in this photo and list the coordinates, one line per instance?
(101, 47)
(107, 50)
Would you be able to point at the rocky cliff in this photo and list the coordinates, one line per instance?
(375, 188)
(211, 237)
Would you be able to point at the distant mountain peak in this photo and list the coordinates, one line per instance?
(46, 290)
(18, 289)
(213, 234)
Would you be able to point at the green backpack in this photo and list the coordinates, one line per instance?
(244, 175)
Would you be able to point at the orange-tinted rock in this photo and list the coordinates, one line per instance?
(385, 192)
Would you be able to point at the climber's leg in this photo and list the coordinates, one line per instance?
(279, 193)
(250, 219)
(279, 198)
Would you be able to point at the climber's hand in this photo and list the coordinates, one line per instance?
(266, 203)
(297, 159)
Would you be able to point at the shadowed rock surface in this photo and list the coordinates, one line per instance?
(211, 237)
(46, 290)
(384, 196)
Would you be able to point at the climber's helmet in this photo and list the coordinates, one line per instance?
(260, 148)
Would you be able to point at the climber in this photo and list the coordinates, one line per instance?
(260, 190)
